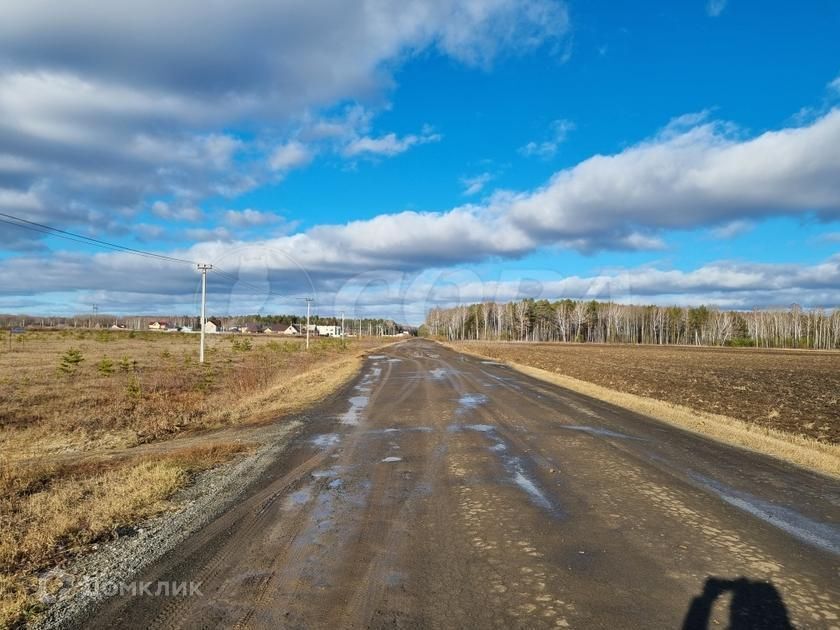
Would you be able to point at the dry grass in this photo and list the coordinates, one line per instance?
(798, 449)
(78, 466)
(52, 512)
(157, 388)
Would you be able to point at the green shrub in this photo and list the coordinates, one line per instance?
(105, 366)
(70, 361)
(242, 345)
(132, 389)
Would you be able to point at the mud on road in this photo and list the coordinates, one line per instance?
(444, 491)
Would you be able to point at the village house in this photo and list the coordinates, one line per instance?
(159, 326)
(325, 331)
(212, 325)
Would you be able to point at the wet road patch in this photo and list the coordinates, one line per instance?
(326, 440)
(471, 401)
(514, 466)
(357, 405)
(599, 431)
(822, 535)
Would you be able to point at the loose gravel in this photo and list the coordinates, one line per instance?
(118, 561)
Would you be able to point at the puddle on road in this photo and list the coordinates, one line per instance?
(513, 465)
(470, 401)
(822, 535)
(492, 363)
(391, 459)
(482, 428)
(531, 488)
(357, 405)
(438, 374)
(298, 498)
(377, 357)
(367, 382)
(326, 440)
(400, 430)
(328, 473)
(333, 474)
(359, 402)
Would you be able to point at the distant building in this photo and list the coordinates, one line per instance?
(159, 326)
(251, 328)
(212, 325)
(325, 331)
(291, 329)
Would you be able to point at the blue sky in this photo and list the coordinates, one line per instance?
(388, 158)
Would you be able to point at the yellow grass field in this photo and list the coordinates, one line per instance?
(88, 446)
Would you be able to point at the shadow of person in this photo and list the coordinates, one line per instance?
(754, 605)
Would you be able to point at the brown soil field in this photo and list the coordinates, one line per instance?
(90, 449)
(789, 390)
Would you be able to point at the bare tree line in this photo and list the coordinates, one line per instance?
(608, 322)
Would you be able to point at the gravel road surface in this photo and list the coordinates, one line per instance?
(444, 491)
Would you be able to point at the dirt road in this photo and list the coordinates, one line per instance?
(443, 491)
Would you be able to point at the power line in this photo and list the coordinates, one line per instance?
(237, 279)
(34, 229)
(48, 230)
(247, 284)
(88, 240)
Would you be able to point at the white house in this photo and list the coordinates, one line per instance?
(325, 331)
(211, 327)
(291, 329)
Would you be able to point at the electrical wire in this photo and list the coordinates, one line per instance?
(88, 240)
(237, 280)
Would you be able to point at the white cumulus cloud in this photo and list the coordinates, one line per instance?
(715, 7)
(474, 185)
(388, 145)
(547, 148)
(290, 155)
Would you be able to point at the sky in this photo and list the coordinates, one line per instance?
(388, 157)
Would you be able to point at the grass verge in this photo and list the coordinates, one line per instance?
(50, 513)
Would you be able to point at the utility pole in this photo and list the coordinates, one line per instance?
(308, 303)
(203, 268)
(342, 323)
